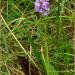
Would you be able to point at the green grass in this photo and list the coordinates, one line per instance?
(32, 44)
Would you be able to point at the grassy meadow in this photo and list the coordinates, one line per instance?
(33, 44)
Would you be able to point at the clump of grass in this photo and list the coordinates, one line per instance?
(32, 44)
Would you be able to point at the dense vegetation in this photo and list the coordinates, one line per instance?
(33, 44)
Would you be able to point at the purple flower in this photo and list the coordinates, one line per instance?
(42, 6)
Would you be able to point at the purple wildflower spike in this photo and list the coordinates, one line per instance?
(42, 6)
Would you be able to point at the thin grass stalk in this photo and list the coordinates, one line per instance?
(74, 37)
(7, 68)
(58, 28)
